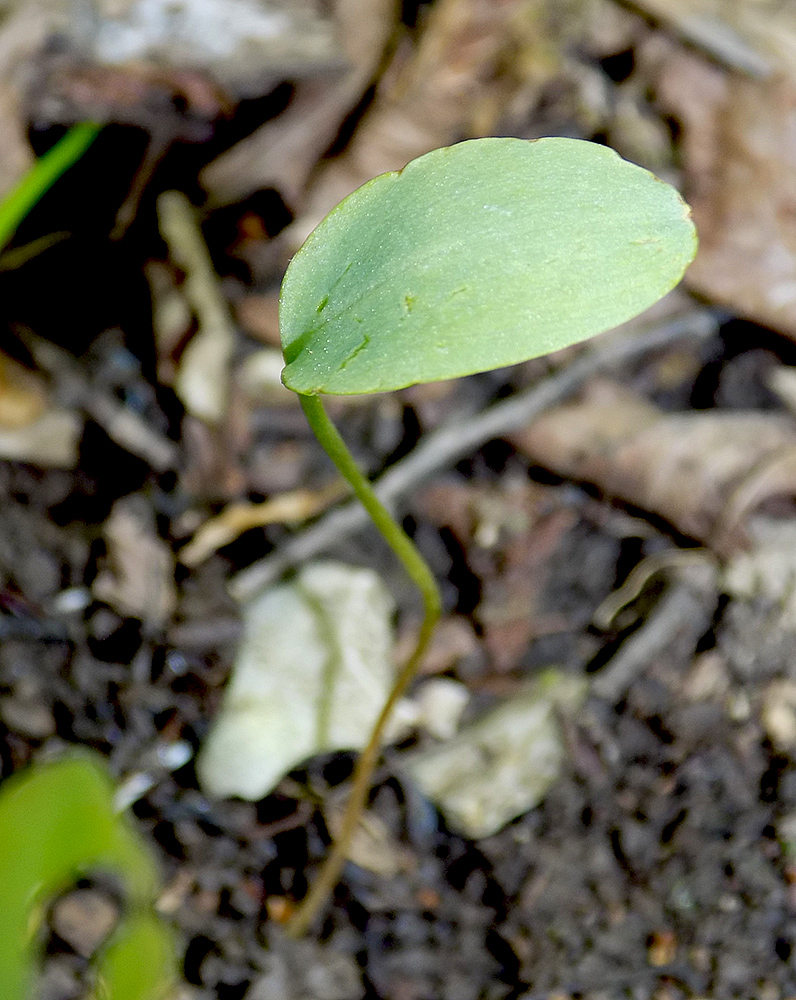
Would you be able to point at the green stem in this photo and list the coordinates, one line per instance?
(418, 570)
(41, 177)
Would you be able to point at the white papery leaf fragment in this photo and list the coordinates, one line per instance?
(503, 764)
(313, 672)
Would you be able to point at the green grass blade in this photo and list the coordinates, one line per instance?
(41, 177)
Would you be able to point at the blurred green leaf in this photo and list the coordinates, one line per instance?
(58, 824)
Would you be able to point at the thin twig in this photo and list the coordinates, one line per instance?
(461, 437)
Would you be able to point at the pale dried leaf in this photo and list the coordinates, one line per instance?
(259, 379)
(705, 472)
(782, 380)
(202, 379)
(778, 714)
(139, 577)
(440, 702)
(283, 153)
(239, 41)
(23, 397)
(503, 764)
(312, 674)
(50, 441)
(767, 570)
(756, 36)
(372, 845)
(236, 518)
(739, 137)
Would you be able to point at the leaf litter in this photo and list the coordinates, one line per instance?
(659, 860)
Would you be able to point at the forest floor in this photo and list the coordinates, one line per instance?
(660, 864)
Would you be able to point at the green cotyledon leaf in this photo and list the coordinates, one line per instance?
(477, 256)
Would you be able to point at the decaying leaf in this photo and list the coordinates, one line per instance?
(755, 36)
(202, 379)
(738, 142)
(705, 472)
(312, 674)
(511, 532)
(31, 428)
(52, 440)
(778, 714)
(283, 152)
(471, 60)
(139, 577)
(767, 570)
(504, 763)
(218, 531)
(372, 846)
(23, 397)
(241, 42)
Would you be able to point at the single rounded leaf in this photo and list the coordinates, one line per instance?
(477, 256)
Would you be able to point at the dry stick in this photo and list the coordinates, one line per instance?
(458, 438)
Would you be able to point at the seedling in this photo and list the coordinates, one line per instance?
(472, 257)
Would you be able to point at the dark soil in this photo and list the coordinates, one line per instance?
(655, 867)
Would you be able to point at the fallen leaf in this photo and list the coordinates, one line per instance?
(511, 533)
(704, 472)
(778, 714)
(767, 570)
(259, 316)
(202, 377)
(139, 577)
(440, 702)
(781, 379)
(22, 396)
(503, 764)
(754, 36)
(259, 378)
(282, 153)
(372, 845)
(50, 441)
(738, 141)
(240, 41)
(312, 675)
(84, 918)
(236, 518)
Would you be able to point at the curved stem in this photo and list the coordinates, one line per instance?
(418, 570)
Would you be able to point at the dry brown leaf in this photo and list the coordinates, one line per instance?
(259, 316)
(139, 578)
(704, 472)
(283, 152)
(23, 30)
(23, 398)
(52, 440)
(757, 36)
(288, 508)
(739, 138)
(511, 541)
(372, 846)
